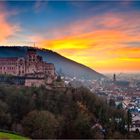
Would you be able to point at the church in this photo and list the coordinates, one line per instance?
(32, 67)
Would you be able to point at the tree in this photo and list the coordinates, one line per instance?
(112, 102)
(82, 122)
(58, 78)
(40, 125)
(19, 105)
(5, 118)
(129, 119)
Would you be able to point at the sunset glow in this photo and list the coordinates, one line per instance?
(98, 35)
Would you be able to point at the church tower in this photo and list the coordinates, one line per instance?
(114, 77)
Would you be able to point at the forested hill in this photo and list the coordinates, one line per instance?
(73, 113)
(64, 66)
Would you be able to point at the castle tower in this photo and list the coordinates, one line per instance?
(31, 61)
(31, 55)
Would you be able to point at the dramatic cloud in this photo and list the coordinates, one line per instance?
(7, 29)
(110, 41)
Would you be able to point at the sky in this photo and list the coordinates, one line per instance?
(103, 35)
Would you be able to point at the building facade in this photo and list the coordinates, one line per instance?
(30, 66)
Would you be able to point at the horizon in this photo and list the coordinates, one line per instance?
(96, 34)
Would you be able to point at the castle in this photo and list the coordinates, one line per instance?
(32, 67)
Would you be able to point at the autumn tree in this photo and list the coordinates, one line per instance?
(40, 125)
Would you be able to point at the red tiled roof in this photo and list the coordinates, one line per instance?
(9, 59)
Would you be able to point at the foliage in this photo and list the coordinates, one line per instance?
(69, 113)
(40, 124)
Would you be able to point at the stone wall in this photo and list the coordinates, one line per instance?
(34, 82)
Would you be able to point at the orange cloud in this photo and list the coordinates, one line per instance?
(6, 28)
(100, 42)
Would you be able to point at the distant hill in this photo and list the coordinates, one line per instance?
(64, 66)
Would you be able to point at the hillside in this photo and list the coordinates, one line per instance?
(74, 113)
(64, 66)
